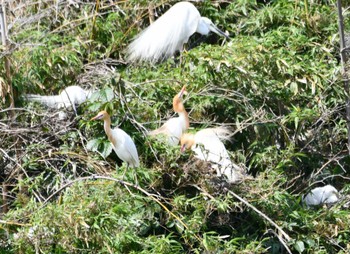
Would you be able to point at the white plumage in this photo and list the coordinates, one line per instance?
(321, 195)
(207, 145)
(174, 127)
(168, 33)
(69, 97)
(122, 143)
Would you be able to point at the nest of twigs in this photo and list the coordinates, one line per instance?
(38, 147)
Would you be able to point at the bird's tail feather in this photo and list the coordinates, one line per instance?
(223, 133)
(50, 101)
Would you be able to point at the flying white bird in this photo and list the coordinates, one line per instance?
(174, 127)
(207, 145)
(169, 33)
(122, 143)
(321, 195)
(69, 97)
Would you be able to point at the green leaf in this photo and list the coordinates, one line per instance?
(294, 88)
(103, 95)
(296, 122)
(106, 149)
(93, 144)
(299, 246)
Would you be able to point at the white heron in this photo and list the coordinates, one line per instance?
(69, 97)
(174, 127)
(169, 33)
(321, 195)
(207, 146)
(122, 143)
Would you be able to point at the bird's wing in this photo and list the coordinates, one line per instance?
(171, 128)
(166, 35)
(73, 95)
(216, 149)
(223, 133)
(125, 147)
(131, 148)
(53, 101)
(212, 148)
(161, 130)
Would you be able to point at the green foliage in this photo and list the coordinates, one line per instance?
(277, 83)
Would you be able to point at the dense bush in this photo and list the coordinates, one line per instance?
(277, 83)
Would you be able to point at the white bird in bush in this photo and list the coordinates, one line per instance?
(207, 145)
(122, 143)
(69, 97)
(321, 195)
(169, 33)
(174, 127)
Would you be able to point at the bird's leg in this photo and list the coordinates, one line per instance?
(135, 177)
(196, 42)
(183, 49)
(127, 167)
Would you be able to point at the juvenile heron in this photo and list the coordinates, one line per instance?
(207, 146)
(174, 127)
(169, 33)
(122, 143)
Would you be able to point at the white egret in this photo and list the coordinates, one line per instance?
(321, 195)
(169, 33)
(69, 97)
(122, 143)
(207, 146)
(174, 127)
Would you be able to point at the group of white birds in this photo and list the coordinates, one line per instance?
(206, 144)
(158, 42)
(161, 40)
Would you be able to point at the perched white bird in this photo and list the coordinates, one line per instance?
(122, 143)
(321, 195)
(174, 127)
(207, 145)
(69, 97)
(169, 33)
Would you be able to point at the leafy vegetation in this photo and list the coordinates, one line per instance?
(277, 83)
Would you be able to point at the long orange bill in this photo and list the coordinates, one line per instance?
(98, 117)
(183, 90)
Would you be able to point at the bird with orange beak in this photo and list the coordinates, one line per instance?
(122, 143)
(174, 127)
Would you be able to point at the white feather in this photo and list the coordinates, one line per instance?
(168, 33)
(321, 195)
(70, 96)
(124, 147)
(172, 129)
(209, 147)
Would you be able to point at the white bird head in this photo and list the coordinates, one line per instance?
(186, 141)
(102, 115)
(205, 26)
